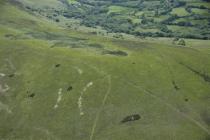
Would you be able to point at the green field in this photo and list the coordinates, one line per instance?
(61, 84)
(180, 12)
(127, 16)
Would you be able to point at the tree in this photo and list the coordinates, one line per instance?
(57, 20)
(175, 40)
(181, 42)
(156, 12)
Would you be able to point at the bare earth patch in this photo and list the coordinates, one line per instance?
(79, 70)
(80, 98)
(4, 88)
(59, 98)
(2, 75)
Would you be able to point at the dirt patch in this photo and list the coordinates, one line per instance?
(59, 98)
(116, 53)
(204, 76)
(80, 99)
(80, 71)
(131, 118)
(4, 88)
(2, 74)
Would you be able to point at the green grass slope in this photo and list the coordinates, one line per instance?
(144, 18)
(59, 84)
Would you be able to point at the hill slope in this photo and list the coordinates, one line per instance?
(164, 18)
(56, 83)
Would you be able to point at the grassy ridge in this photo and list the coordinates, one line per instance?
(95, 86)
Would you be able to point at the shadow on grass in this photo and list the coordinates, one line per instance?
(116, 53)
(204, 76)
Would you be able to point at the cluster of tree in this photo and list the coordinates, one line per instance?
(180, 42)
(50, 13)
(96, 13)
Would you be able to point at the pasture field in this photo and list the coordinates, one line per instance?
(62, 84)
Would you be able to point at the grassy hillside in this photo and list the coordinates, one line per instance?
(164, 18)
(61, 84)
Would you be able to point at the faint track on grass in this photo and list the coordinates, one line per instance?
(172, 107)
(46, 132)
(101, 72)
(100, 109)
(11, 65)
(187, 117)
(74, 59)
(138, 87)
(168, 67)
(173, 77)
